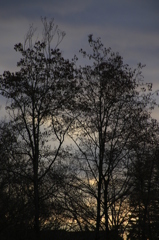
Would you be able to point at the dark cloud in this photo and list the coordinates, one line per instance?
(129, 27)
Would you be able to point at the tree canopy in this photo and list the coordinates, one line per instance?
(79, 148)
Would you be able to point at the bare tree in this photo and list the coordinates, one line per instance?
(114, 108)
(39, 95)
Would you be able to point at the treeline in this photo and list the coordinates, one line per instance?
(79, 148)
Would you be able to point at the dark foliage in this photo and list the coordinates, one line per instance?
(79, 149)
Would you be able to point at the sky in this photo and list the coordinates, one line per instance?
(130, 27)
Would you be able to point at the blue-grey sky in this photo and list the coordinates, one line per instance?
(130, 27)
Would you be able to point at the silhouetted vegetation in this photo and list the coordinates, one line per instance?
(79, 148)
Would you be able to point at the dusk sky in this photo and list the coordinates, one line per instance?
(130, 27)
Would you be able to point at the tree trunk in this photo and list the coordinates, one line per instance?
(98, 208)
(36, 206)
(106, 209)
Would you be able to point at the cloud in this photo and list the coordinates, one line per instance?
(33, 8)
(67, 7)
(129, 27)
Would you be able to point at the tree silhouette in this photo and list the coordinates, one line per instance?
(106, 181)
(39, 94)
(114, 105)
(144, 189)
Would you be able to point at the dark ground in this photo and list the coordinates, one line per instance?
(58, 235)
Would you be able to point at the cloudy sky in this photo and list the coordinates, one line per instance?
(130, 27)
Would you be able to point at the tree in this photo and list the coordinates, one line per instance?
(105, 109)
(144, 208)
(39, 95)
(113, 107)
(14, 204)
